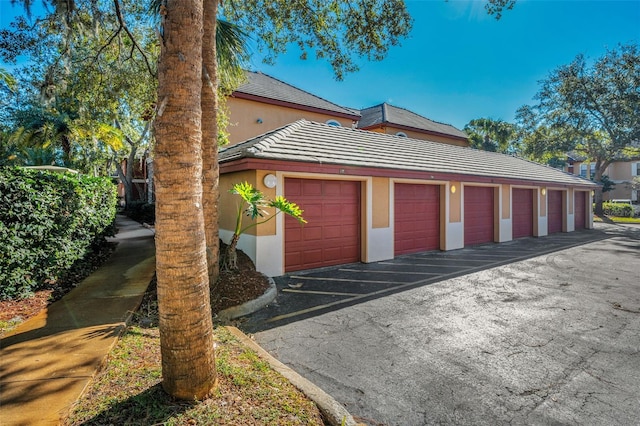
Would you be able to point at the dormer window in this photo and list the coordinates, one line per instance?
(333, 123)
(401, 134)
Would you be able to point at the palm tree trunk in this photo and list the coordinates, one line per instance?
(186, 330)
(209, 103)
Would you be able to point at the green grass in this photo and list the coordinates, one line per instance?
(128, 391)
(616, 219)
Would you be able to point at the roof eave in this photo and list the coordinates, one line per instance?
(414, 129)
(271, 101)
(249, 161)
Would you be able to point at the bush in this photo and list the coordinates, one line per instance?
(47, 222)
(617, 209)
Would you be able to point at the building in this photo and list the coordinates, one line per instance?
(621, 173)
(370, 196)
(264, 103)
(391, 120)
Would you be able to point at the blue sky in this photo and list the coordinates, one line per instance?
(459, 63)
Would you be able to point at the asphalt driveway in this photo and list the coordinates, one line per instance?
(536, 331)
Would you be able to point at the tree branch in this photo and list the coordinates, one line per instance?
(123, 26)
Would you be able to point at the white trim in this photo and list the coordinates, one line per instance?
(505, 231)
(543, 221)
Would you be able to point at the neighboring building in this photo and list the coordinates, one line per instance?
(385, 118)
(264, 103)
(369, 196)
(619, 172)
(622, 173)
(141, 182)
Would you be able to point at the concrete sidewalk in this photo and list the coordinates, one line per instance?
(46, 362)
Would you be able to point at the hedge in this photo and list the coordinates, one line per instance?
(47, 222)
(617, 209)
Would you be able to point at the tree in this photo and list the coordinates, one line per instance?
(209, 105)
(92, 82)
(635, 183)
(253, 204)
(592, 109)
(491, 135)
(181, 261)
(186, 329)
(337, 31)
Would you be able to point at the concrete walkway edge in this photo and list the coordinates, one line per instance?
(333, 411)
(47, 361)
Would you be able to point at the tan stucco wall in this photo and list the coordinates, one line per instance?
(244, 115)
(390, 130)
(380, 214)
(571, 200)
(622, 191)
(621, 170)
(455, 202)
(229, 202)
(506, 201)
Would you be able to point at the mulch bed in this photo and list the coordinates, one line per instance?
(233, 288)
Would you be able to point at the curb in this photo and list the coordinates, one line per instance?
(335, 414)
(250, 306)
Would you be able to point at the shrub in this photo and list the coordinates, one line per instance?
(47, 222)
(617, 209)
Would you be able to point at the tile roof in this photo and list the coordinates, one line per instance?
(265, 86)
(306, 141)
(390, 115)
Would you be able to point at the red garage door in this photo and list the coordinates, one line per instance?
(580, 209)
(478, 215)
(522, 204)
(417, 218)
(332, 234)
(554, 211)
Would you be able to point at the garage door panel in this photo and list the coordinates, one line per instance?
(332, 234)
(294, 187)
(332, 231)
(295, 234)
(311, 210)
(555, 214)
(310, 188)
(417, 218)
(478, 215)
(350, 232)
(522, 203)
(311, 233)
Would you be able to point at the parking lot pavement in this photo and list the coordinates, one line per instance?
(550, 335)
(305, 294)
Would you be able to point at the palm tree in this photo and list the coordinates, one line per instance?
(186, 332)
(210, 173)
(491, 135)
(7, 81)
(42, 128)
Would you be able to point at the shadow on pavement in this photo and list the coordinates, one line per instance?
(306, 294)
